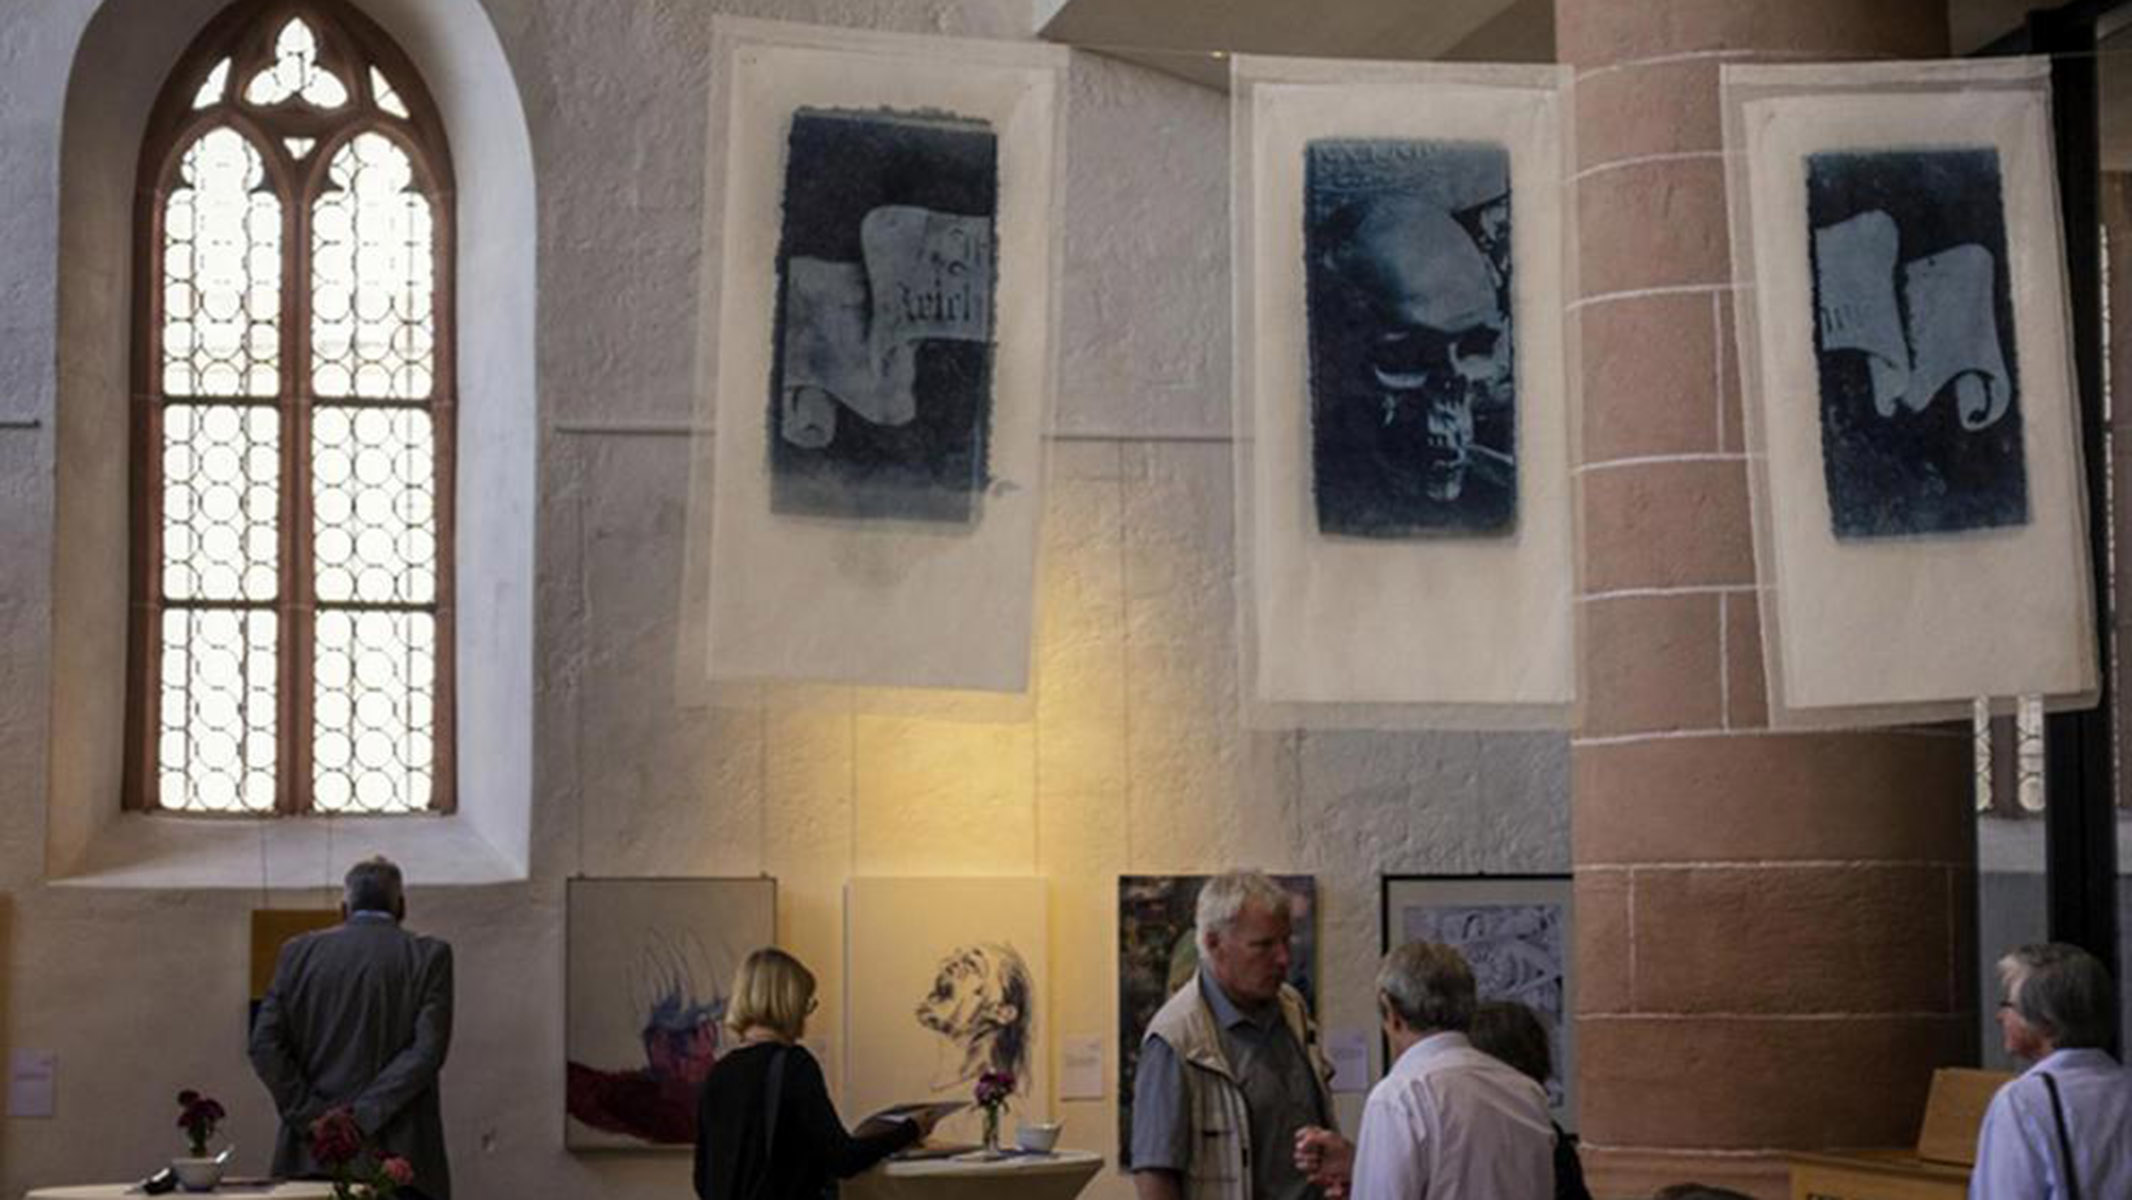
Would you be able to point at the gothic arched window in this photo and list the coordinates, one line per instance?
(292, 407)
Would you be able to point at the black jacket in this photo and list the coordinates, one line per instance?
(810, 1146)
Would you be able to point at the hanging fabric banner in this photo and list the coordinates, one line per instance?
(1403, 393)
(883, 254)
(1905, 355)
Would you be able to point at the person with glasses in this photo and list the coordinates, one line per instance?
(2063, 1129)
(765, 1126)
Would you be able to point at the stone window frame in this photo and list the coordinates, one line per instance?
(244, 34)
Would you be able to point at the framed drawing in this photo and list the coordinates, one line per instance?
(1515, 932)
(944, 981)
(885, 249)
(648, 965)
(1404, 396)
(1157, 953)
(271, 929)
(1906, 362)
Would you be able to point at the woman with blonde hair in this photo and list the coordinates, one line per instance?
(765, 1127)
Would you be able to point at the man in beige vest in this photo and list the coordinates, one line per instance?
(1230, 1068)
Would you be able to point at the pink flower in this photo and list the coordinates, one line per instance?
(399, 1170)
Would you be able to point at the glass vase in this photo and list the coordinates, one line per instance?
(992, 1129)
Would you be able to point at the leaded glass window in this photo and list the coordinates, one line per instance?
(293, 401)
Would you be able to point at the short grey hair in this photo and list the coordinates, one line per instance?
(1224, 898)
(2063, 992)
(1429, 985)
(372, 885)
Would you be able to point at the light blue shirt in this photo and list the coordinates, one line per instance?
(2017, 1148)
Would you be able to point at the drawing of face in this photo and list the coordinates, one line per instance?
(1439, 343)
(979, 1002)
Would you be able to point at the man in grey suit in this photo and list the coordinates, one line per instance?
(360, 1016)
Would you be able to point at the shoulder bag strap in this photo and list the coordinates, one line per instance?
(2065, 1143)
(773, 1099)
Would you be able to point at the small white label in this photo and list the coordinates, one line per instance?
(1081, 1067)
(32, 1077)
(1349, 1050)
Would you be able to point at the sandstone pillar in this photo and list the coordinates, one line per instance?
(1772, 929)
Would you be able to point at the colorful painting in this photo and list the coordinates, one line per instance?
(1515, 933)
(1157, 953)
(650, 962)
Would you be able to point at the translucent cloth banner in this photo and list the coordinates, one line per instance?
(1403, 390)
(882, 246)
(1914, 457)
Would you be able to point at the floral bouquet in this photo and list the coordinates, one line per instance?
(197, 1116)
(360, 1171)
(994, 1089)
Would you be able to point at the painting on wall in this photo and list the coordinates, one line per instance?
(1157, 954)
(1911, 433)
(1404, 395)
(881, 254)
(944, 981)
(271, 929)
(649, 965)
(1920, 395)
(1514, 931)
(1413, 387)
(883, 391)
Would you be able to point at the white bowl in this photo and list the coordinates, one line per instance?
(197, 1174)
(1038, 1138)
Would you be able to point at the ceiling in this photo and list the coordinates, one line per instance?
(1191, 38)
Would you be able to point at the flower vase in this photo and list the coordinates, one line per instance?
(992, 1149)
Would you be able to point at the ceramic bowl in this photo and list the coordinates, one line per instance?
(1038, 1138)
(197, 1174)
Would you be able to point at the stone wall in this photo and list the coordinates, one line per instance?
(1131, 760)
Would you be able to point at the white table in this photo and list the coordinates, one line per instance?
(286, 1190)
(1059, 1176)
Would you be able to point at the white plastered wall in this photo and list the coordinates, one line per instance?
(1132, 762)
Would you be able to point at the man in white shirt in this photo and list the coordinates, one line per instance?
(2064, 1128)
(1447, 1122)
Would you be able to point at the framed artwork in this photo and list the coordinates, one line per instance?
(1404, 392)
(1157, 953)
(649, 962)
(879, 376)
(1514, 931)
(271, 930)
(944, 980)
(1913, 439)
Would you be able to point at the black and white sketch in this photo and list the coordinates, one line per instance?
(1921, 418)
(1513, 931)
(980, 1005)
(881, 390)
(1413, 395)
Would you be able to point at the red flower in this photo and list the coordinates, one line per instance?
(994, 1087)
(336, 1138)
(399, 1170)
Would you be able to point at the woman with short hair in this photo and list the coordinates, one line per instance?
(2063, 1129)
(765, 1127)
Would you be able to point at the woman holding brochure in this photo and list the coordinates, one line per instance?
(765, 1127)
